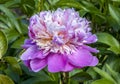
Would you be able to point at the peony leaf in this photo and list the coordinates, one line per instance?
(5, 80)
(113, 73)
(115, 13)
(81, 77)
(102, 81)
(14, 64)
(109, 40)
(116, 0)
(37, 80)
(18, 43)
(11, 17)
(11, 34)
(69, 3)
(104, 74)
(3, 44)
(89, 7)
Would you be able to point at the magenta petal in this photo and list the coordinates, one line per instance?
(38, 54)
(56, 62)
(37, 64)
(29, 53)
(94, 50)
(91, 39)
(27, 63)
(94, 61)
(31, 33)
(28, 43)
(81, 58)
(68, 67)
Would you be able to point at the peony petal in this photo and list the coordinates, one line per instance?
(91, 39)
(81, 58)
(27, 63)
(94, 61)
(37, 64)
(68, 67)
(29, 53)
(32, 53)
(28, 43)
(56, 62)
(38, 54)
(94, 50)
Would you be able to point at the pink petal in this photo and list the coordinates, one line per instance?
(38, 64)
(27, 63)
(94, 61)
(94, 50)
(56, 62)
(68, 67)
(38, 54)
(31, 33)
(32, 53)
(91, 39)
(81, 58)
(29, 53)
(28, 43)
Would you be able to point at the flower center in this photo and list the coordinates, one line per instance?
(56, 43)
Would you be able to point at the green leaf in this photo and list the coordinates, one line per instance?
(18, 43)
(3, 1)
(74, 82)
(115, 13)
(116, 0)
(84, 5)
(47, 82)
(74, 4)
(28, 6)
(12, 3)
(3, 44)
(113, 73)
(104, 74)
(14, 64)
(5, 80)
(12, 74)
(109, 40)
(114, 24)
(82, 13)
(75, 71)
(53, 2)
(3, 65)
(2, 19)
(89, 7)
(102, 81)
(11, 17)
(37, 80)
(11, 34)
(81, 77)
(115, 64)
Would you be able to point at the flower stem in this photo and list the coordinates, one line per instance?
(64, 78)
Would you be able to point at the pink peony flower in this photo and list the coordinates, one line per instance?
(58, 40)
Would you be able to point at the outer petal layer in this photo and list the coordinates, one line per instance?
(82, 58)
(56, 62)
(29, 53)
(38, 64)
(94, 61)
(94, 50)
(28, 43)
(68, 67)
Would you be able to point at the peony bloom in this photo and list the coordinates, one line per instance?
(59, 40)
